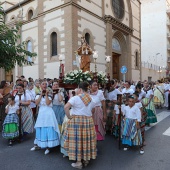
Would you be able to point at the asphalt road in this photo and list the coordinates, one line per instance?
(156, 157)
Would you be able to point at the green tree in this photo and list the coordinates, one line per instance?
(11, 51)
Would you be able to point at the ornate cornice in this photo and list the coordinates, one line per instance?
(117, 24)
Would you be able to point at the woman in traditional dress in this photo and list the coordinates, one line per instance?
(148, 104)
(80, 136)
(58, 104)
(112, 95)
(47, 131)
(159, 98)
(11, 122)
(64, 126)
(99, 116)
(32, 94)
(23, 99)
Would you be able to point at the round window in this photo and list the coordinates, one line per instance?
(118, 8)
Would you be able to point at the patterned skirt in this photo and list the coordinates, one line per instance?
(10, 126)
(142, 123)
(59, 113)
(116, 122)
(27, 120)
(158, 98)
(151, 112)
(46, 137)
(64, 127)
(99, 124)
(130, 134)
(80, 138)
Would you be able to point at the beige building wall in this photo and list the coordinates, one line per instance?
(70, 20)
(96, 28)
(136, 41)
(152, 75)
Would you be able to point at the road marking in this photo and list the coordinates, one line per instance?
(161, 116)
(167, 132)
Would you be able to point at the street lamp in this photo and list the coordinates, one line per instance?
(95, 56)
(108, 61)
(160, 71)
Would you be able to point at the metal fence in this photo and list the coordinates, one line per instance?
(150, 66)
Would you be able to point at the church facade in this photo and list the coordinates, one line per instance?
(53, 27)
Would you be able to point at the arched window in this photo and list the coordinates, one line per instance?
(87, 38)
(54, 44)
(29, 48)
(136, 59)
(118, 8)
(30, 14)
(116, 45)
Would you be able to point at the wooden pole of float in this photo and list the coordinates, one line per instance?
(20, 113)
(119, 97)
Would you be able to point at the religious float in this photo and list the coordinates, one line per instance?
(71, 79)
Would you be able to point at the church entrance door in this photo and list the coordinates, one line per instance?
(115, 65)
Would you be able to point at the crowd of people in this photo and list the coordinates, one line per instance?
(78, 118)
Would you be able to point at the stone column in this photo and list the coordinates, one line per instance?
(2, 74)
(75, 32)
(40, 40)
(68, 31)
(129, 61)
(109, 45)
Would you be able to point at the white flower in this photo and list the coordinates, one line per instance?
(75, 71)
(89, 79)
(71, 74)
(86, 72)
(106, 79)
(81, 80)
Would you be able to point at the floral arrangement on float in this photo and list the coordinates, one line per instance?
(102, 78)
(77, 76)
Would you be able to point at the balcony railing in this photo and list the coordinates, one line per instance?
(150, 66)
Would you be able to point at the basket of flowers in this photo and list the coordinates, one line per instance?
(77, 76)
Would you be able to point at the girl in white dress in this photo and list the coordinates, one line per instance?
(99, 116)
(11, 122)
(47, 131)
